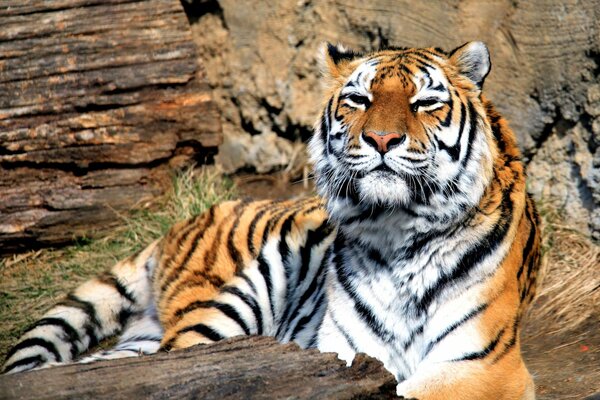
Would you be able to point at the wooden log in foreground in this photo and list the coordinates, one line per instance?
(97, 99)
(239, 368)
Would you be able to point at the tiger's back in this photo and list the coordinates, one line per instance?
(256, 263)
(243, 267)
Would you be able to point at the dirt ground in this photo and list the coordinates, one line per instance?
(565, 365)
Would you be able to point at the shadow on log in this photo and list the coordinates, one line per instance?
(98, 98)
(239, 368)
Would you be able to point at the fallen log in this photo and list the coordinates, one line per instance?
(98, 98)
(239, 368)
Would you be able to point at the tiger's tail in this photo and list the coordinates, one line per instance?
(114, 301)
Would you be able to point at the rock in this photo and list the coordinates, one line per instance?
(263, 153)
(563, 173)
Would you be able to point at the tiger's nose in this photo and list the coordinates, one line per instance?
(383, 141)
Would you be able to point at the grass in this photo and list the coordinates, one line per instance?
(569, 296)
(31, 282)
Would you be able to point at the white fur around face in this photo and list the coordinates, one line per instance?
(384, 189)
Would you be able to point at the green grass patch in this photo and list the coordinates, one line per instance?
(31, 282)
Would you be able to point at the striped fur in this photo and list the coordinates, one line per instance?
(422, 249)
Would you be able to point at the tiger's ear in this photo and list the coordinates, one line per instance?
(335, 60)
(473, 61)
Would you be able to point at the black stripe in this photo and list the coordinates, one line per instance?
(36, 341)
(178, 238)
(478, 355)
(344, 334)
(225, 308)
(372, 213)
(528, 245)
(175, 272)
(310, 290)
(316, 307)
(87, 307)
(454, 150)
(363, 311)
(275, 218)
(446, 122)
(375, 257)
(284, 251)
(248, 281)
(37, 360)
(404, 69)
(110, 279)
(252, 227)
(124, 315)
(71, 334)
(263, 266)
(210, 256)
(168, 346)
(90, 311)
(439, 88)
(301, 323)
(313, 238)
(264, 269)
(207, 277)
(418, 331)
(234, 253)
(251, 302)
(326, 123)
(424, 56)
(203, 330)
(471, 134)
(511, 342)
(421, 240)
(90, 332)
(451, 328)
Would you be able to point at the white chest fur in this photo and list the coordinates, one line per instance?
(398, 310)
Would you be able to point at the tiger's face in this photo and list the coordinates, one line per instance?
(404, 128)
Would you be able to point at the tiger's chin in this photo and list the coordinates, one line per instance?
(384, 189)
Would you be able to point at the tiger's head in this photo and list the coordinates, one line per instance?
(404, 129)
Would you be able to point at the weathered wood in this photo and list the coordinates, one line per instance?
(96, 98)
(241, 368)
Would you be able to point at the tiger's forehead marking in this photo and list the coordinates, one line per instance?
(361, 78)
(430, 82)
(427, 79)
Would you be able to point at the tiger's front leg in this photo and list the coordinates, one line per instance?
(506, 378)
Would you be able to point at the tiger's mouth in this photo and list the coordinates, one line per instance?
(383, 167)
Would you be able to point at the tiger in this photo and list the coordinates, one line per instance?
(421, 247)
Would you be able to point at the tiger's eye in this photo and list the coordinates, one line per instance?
(423, 103)
(358, 99)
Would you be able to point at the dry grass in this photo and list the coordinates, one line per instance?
(569, 296)
(31, 282)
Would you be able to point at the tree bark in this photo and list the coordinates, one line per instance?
(239, 368)
(98, 98)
